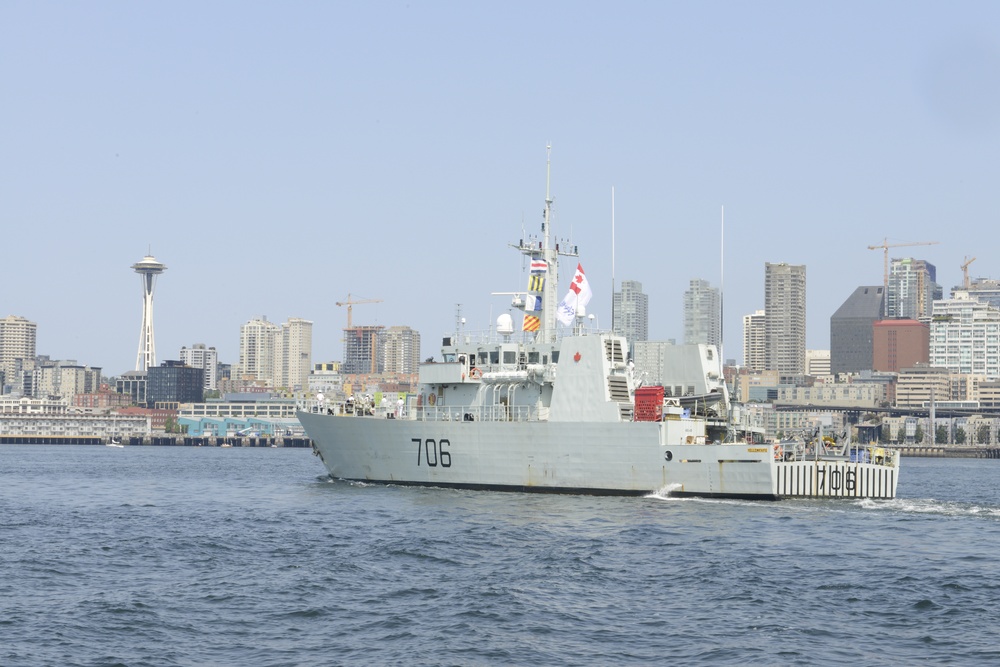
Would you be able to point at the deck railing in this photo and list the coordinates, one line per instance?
(430, 413)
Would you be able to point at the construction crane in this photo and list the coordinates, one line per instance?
(351, 302)
(965, 271)
(885, 245)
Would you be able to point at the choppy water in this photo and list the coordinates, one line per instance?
(183, 556)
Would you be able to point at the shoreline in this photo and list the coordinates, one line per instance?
(161, 440)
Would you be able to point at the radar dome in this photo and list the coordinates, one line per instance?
(505, 324)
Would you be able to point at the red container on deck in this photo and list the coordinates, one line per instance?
(649, 404)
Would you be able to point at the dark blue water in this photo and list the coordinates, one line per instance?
(183, 556)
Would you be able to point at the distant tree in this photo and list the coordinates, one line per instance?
(941, 434)
(918, 434)
(959, 435)
(883, 433)
(983, 434)
(212, 393)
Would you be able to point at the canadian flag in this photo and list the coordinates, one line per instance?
(576, 298)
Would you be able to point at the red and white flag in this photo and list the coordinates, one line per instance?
(576, 298)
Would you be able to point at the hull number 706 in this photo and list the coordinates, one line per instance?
(433, 452)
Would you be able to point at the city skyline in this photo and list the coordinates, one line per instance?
(286, 166)
(986, 284)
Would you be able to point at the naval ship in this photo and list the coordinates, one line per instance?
(558, 408)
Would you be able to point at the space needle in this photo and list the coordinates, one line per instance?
(147, 269)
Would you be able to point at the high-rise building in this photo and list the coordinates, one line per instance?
(965, 336)
(630, 312)
(912, 289)
(257, 351)
(898, 344)
(17, 348)
(702, 314)
(785, 318)
(205, 358)
(754, 354)
(294, 353)
(276, 355)
(147, 269)
(361, 352)
(851, 330)
(400, 350)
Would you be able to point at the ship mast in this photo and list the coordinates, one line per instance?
(548, 250)
(547, 332)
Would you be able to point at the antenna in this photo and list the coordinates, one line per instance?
(722, 296)
(722, 281)
(612, 259)
(549, 295)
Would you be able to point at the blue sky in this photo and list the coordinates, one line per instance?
(279, 156)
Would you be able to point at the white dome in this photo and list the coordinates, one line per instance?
(505, 324)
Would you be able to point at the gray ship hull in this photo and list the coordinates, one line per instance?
(599, 458)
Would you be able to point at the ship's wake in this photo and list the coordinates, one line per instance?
(932, 507)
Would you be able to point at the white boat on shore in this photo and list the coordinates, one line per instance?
(541, 412)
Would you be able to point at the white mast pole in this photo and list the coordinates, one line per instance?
(722, 292)
(722, 281)
(548, 328)
(612, 259)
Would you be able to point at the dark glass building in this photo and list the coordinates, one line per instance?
(173, 382)
(851, 330)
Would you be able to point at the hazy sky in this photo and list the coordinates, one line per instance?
(280, 156)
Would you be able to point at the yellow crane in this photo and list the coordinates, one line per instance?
(351, 302)
(965, 271)
(885, 245)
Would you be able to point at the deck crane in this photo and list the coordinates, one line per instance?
(885, 245)
(351, 302)
(965, 272)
